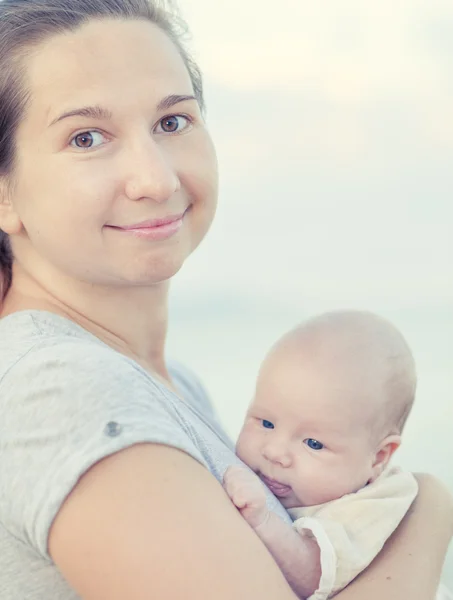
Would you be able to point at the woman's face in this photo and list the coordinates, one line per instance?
(111, 144)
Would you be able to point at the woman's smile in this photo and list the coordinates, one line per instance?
(154, 229)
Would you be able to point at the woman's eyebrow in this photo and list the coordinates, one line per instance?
(90, 112)
(173, 99)
(98, 112)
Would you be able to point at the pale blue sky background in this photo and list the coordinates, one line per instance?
(334, 128)
(333, 123)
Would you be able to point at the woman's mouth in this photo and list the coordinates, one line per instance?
(278, 489)
(154, 229)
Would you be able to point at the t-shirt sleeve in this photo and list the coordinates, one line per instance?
(64, 408)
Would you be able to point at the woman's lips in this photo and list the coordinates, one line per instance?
(278, 489)
(153, 229)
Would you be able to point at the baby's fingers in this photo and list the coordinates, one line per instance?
(234, 486)
(235, 476)
(237, 472)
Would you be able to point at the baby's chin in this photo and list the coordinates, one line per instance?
(291, 501)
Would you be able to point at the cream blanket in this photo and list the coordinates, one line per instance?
(352, 530)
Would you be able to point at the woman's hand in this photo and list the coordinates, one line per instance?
(410, 563)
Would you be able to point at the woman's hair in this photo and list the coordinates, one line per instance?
(6, 265)
(24, 24)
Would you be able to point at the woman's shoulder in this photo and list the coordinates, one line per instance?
(26, 324)
(27, 330)
(67, 402)
(42, 350)
(48, 357)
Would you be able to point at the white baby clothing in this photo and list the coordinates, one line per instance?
(352, 530)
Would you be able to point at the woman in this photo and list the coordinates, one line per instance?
(108, 183)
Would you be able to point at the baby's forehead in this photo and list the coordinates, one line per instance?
(360, 362)
(348, 338)
(319, 390)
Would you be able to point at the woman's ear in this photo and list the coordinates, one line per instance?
(383, 455)
(10, 221)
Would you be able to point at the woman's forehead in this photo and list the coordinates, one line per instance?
(107, 61)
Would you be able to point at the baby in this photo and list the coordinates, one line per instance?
(331, 401)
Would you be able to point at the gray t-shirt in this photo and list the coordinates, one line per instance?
(68, 400)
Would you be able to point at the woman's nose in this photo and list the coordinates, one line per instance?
(277, 452)
(149, 173)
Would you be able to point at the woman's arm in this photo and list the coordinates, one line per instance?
(411, 562)
(150, 522)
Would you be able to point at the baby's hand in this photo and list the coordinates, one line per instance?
(247, 493)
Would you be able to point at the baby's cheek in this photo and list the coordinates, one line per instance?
(241, 445)
(245, 447)
(342, 480)
(319, 484)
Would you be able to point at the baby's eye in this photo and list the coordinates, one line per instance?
(313, 444)
(268, 424)
(87, 139)
(173, 124)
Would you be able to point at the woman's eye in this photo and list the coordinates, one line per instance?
(313, 444)
(173, 124)
(268, 424)
(87, 139)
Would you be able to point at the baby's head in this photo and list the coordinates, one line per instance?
(331, 401)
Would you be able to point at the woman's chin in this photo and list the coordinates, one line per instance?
(156, 269)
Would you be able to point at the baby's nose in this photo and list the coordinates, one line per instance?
(277, 452)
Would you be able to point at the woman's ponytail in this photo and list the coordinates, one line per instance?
(6, 265)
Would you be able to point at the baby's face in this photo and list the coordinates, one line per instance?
(307, 433)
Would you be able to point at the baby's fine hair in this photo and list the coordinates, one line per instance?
(376, 346)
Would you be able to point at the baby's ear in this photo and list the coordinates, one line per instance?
(383, 455)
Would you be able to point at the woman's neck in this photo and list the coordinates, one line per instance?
(132, 320)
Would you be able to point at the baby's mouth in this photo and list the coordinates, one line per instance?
(278, 489)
